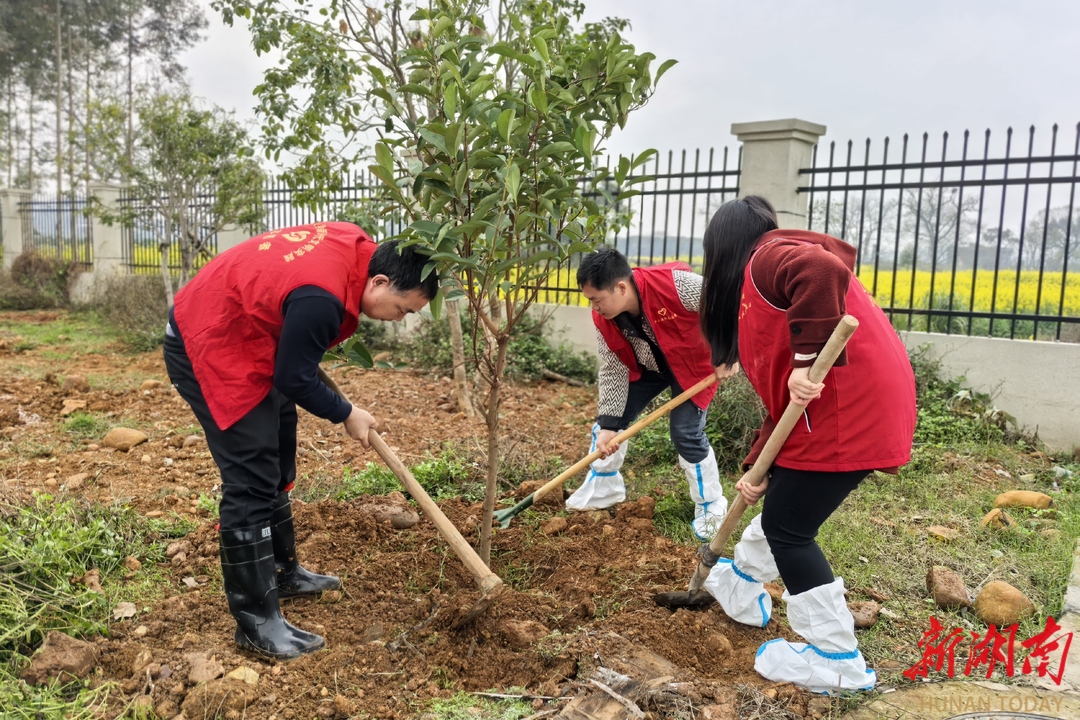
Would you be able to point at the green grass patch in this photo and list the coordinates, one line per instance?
(673, 517)
(45, 547)
(85, 425)
(447, 475)
(70, 334)
(465, 706)
(19, 701)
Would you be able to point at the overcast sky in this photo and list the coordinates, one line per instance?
(864, 68)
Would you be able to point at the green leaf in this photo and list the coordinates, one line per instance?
(643, 157)
(435, 139)
(435, 306)
(356, 353)
(541, 257)
(415, 89)
(383, 174)
(450, 98)
(541, 47)
(486, 204)
(427, 228)
(664, 67)
(441, 25)
(513, 182)
(623, 170)
(538, 98)
(556, 147)
(384, 156)
(506, 123)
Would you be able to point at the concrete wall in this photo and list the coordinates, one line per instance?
(1032, 381)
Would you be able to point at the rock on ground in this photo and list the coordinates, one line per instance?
(203, 668)
(1024, 498)
(865, 612)
(947, 588)
(997, 519)
(217, 696)
(523, 633)
(554, 526)
(123, 439)
(62, 657)
(1001, 604)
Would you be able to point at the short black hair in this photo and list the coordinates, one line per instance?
(404, 266)
(603, 268)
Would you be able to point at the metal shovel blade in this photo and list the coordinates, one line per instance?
(480, 605)
(684, 599)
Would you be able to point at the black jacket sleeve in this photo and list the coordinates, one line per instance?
(313, 320)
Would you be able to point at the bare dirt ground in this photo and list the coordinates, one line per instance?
(579, 599)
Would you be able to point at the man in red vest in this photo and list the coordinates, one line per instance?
(242, 347)
(648, 335)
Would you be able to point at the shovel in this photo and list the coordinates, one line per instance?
(709, 554)
(491, 586)
(505, 516)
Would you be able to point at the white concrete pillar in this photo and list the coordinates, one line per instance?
(11, 222)
(108, 239)
(773, 153)
(230, 236)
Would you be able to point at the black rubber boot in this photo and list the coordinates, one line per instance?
(247, 571)
(292, 579)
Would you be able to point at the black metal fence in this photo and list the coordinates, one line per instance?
(58, 229)
(142, 240)
(356, 201)
(666, 222)
(976, 237)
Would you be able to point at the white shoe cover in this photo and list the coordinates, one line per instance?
(603, 486)
(710, 505)
(830, 662)
(743, 599)
(737, 585)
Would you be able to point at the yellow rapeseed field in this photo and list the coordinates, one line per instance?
(912, 290)
(904, 294)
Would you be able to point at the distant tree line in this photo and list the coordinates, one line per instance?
(71, 72)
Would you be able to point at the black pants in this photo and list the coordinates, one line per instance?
(256, 455)
(797, 503)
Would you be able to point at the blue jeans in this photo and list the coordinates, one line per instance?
(687, 420)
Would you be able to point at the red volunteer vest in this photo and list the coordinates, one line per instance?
(229, 315)
(677, 331)
(865, 417)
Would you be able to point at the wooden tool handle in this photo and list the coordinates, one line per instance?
(756, 474)
(624, 435)
(476, 567)
(480, 572)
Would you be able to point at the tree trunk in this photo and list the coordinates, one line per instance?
(30, 150)
(59, 143)
(86, 134)
(499, 361)
(130, 139)
(7, 128)
(165, 276)
(457, 349)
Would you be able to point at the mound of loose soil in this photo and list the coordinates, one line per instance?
(578, 600)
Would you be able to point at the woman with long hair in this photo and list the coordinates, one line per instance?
(771, 299)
